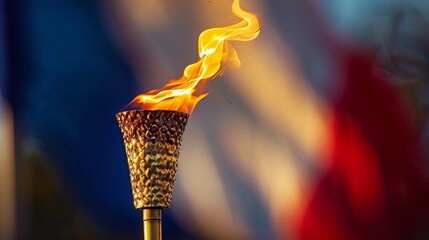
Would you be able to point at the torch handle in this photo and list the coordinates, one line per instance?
(152, 224)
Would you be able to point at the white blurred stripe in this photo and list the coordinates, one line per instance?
(201, 187)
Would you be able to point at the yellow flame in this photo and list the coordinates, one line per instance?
(215, 54)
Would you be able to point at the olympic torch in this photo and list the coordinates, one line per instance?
(153, 128)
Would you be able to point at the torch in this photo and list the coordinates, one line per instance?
(152, 142)
(153, 127)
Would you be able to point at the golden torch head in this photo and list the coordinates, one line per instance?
(152, 141)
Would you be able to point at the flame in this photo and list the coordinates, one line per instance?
(215, 54)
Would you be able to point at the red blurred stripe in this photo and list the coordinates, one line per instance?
(374, 187)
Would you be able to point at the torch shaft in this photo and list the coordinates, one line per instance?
(152, 224)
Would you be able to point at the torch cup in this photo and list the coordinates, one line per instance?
(152, 141)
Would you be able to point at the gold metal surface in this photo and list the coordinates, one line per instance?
(152, 141)
(152, 225)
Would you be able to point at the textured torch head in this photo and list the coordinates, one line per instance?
(152, 141)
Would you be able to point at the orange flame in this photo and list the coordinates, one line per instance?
(215, 54)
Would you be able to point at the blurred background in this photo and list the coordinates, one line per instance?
(322, 133)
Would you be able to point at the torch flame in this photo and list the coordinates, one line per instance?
(215, 55)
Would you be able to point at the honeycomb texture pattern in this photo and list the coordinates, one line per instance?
(152, 141)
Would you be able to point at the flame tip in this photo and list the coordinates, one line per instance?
(215, 55)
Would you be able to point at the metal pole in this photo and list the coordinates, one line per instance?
(152, 224)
